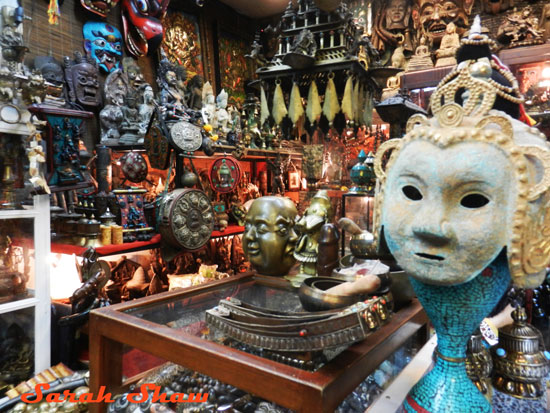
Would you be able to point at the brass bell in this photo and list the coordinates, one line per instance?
(520, 361)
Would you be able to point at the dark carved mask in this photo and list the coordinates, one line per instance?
(50, 68)
(99, 7)
(433, 16)
(103, 44)
(141, 20)
(81, 76)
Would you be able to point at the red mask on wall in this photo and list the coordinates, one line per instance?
(141, 21)
(99, 7)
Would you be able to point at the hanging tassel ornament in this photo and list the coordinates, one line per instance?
(313, 109)
(368, 108)
(347, 100)
(264, 109)
(279, 108)
(295, 107)
(356, 100)
(53, 12)
(331, 106)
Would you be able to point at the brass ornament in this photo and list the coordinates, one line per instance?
(520, 361)
(505, 125)
(186, 219)
(482, 93)
(417, 119)
(384, 148)
(544, 157)
(450, 115)
(186, 136)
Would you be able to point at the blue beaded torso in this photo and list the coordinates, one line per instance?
(456, 311)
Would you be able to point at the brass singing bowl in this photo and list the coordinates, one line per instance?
(313, 295)
(362, 245)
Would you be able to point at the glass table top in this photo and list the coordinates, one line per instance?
(188, 314)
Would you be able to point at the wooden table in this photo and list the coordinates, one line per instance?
(142, 324)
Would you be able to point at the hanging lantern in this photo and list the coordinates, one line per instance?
(520, 361)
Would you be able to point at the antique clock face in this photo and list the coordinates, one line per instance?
(186, 136)
(157, 147)
(225, 174)
(191, 218)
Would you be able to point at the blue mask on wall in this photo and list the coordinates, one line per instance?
(103, 44)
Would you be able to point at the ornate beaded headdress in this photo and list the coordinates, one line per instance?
(463, 110)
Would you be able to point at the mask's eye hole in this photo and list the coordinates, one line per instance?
(412, 193)
(474, 201)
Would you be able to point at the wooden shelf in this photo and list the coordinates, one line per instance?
(431, 77)
(133, 246)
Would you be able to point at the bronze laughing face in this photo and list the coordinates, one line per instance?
(269, 237)
(433, 16)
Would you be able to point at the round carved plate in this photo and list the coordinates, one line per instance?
(187, 218)
(186, 136)
(134, 167)
(157, 147)
(224, 175)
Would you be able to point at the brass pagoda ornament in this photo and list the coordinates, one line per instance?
(520, 360)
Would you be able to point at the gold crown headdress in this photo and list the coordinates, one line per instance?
(528, 246)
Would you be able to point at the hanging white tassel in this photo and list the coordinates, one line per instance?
(313, 109)
(295, 107)
(279, 108)
(347, 100)
(331, 106)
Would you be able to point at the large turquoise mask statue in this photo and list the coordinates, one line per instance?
(463, 206)
(103, 44)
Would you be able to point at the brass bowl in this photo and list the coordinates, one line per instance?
(314, 298)
(362, 245)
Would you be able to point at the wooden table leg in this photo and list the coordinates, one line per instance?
(105, 369)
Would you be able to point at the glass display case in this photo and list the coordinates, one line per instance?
(358, 207)
(171, 326)
(24, 292)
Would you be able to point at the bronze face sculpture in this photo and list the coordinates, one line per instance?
(433, 16)
(463, 206)
(269, 237)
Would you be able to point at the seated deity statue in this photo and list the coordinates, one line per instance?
(421, 59)
(449, 45)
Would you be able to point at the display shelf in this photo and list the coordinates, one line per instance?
(430, 77)
(108, 249)
(40, 302)
(18, 305)
(146, 324)
(128, 247)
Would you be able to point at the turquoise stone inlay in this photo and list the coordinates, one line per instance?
(456, 311)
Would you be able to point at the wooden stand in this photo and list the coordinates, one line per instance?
(304, 391)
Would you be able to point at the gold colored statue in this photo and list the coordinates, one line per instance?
(421, 58)
(449, 45)
(269, 237)
(309, 226)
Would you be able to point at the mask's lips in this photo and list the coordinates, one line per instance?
(430, 256)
